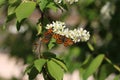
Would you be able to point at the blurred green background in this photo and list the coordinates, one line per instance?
(100, 17)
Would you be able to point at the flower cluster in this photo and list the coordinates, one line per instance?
(58, 1)
(71, 1)
(76, 35)
(67, 1)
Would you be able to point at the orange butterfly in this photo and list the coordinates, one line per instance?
(62, 39)
(47, 35)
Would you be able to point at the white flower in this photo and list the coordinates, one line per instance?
(66, 32)
(67, 1)
(58, 26)
(49, 26)
(71, 1)
(76, 35)
(58, 1)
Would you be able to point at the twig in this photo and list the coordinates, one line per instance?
(110, 62)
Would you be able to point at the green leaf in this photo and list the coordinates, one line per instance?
(63, 5)
(110, 62)
(33, 73)
(39, 29)
(90, 46)
(52, 6)
(93, 66)
(12, 1)
(88, 2)
(39, 64)
(10, 17)
(55, 70)
(61, 63)
(28, 69)
(11, 10)
(75, 51)
(24, 10)
(42, 4)
(18, 25)
(87, 61)
(51, 43)
(49, 55)
(2, 2)
(104, 71)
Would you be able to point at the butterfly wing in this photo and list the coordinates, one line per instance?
(68, 42)
(47, 36)
(59, 38)
(50, 31)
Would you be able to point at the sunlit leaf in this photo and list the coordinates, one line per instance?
(24, 10)
(12, 1)
(93, 66)
(11, 10)
(1, 2)
(61, 63)
(52, 6)
(55, 70)
(51, 43)
(39, 64)
(42, 4)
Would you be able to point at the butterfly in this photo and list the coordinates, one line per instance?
(47, 35)
(62, 39)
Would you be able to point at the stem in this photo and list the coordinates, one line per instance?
(110, 62)
(39, 48)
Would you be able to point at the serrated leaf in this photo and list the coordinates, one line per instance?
(51, 43)
(39, 64)
(24, 10)
(93, 66)
(61, 63)
(55, 70)
(42, 4)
